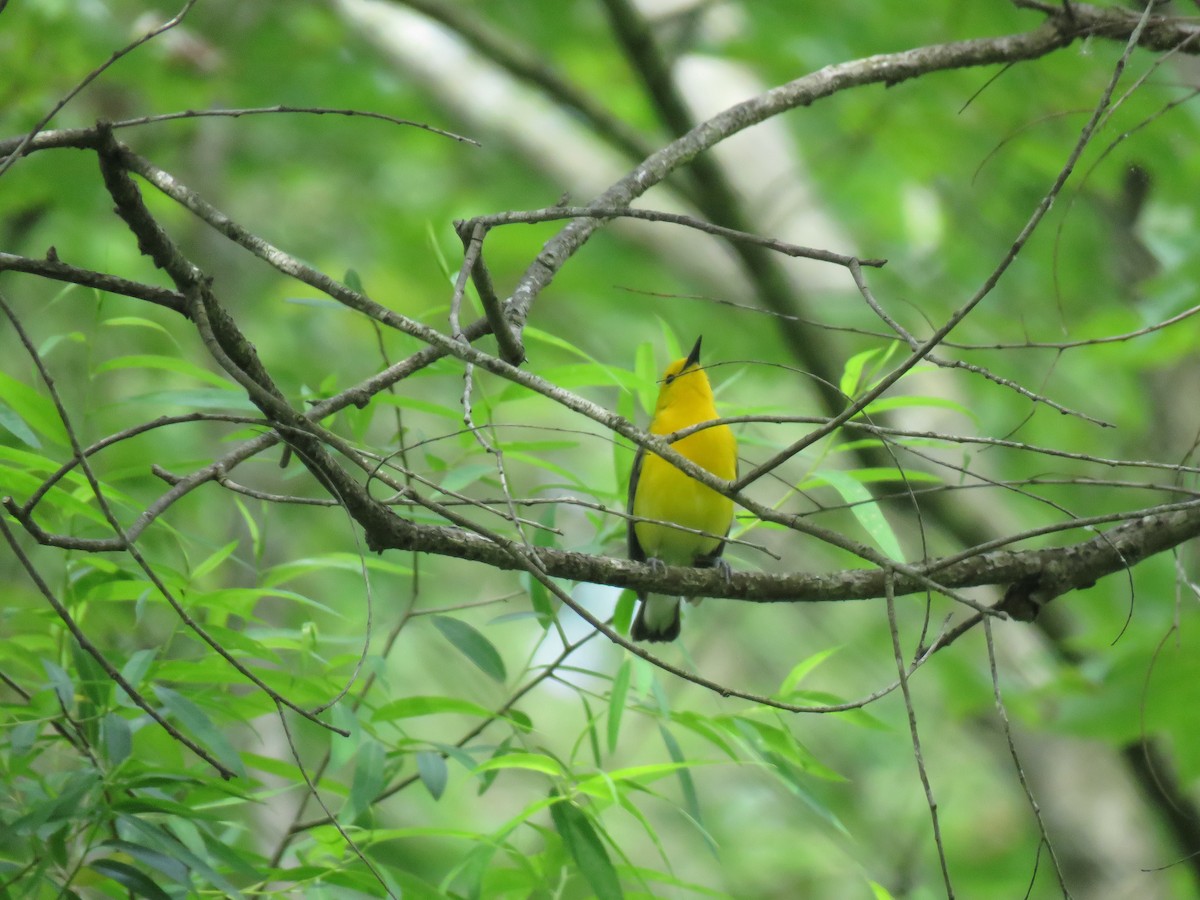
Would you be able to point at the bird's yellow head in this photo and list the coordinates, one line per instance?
(684, 383)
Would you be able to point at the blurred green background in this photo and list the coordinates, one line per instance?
(937, 175)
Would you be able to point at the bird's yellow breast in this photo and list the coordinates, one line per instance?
(665, 493)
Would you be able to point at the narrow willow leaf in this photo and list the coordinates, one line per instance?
(473, 645)
(851, 378)
(703, 726)
(196, 398)
(886, 404)
(616, 703)
(169, 866)
(646, 368)
(801, 669)
(865, 509)
(116, 737)
(196, 721)
(166, 364)
(251, 526)
(13, 423)
(35, 410)
(65, 807)
(593, 737)
(133, 322)
(431, 766)
(214, 560)
(174, 846)
(535, 762)
(586, 848)
(134, 672)
(623, 612)
(410, 707)
(463, 476)
(539, 594)
(691, 801)
(368, 779)
(136, 881)
(62, 684)
(486, 779)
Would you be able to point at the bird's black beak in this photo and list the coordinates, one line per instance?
(693, 358)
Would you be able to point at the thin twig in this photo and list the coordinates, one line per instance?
(7, 162)
(902, 669)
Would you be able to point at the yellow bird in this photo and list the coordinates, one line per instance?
(658, 490)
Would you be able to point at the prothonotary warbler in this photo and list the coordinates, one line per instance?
(659, 491)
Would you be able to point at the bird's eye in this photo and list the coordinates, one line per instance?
(669, 379)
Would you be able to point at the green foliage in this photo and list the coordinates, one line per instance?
(422, 726)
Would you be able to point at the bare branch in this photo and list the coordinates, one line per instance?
(53, 268)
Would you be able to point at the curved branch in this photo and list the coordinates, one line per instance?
(53, 268)
(1058, 31)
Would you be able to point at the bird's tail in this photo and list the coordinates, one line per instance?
(657, 619)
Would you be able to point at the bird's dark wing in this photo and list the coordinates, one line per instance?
(636, 552)
(708, 560)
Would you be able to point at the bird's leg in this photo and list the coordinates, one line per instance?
(720, 565)
(656, 565)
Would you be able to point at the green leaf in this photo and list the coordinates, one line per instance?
(134, 671)
(353, 281)
(135, 880)
(69, 805)
(196, 721)
(586, 848)
(647, 371)
(431, 766)
(602, 785)
(427, 406)
(214, 560)
(875, 474)
(590, 726)
(473, 645)
(704, 727)
(691, 800)
(781, 742)
(34, 409)
(623, 611)
(411, 707)
(865, 509)
(368, 779)
(345, 562)
(879, 892)
(616, 703)
(196, 398)
(117, 738)
(462, 476)
(491, 775)
(851, 379)
(134, 322)
(801, 669)
(539, 595)
(613, 376)
(251, 526)
(173, 868)
(886, 404)
(13, 423)
(167, 364)
(62, 684)
(534, 762)
(155, 836)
